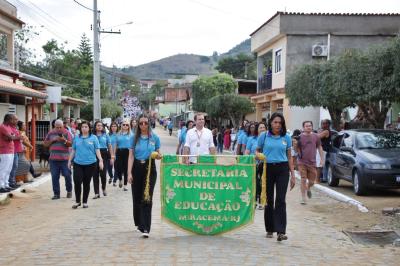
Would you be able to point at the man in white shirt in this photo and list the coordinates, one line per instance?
(199, 141)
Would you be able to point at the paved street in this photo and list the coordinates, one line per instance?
(38, 231)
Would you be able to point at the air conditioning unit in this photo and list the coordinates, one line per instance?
(319, 50)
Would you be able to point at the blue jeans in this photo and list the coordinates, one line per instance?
(11, 179)
(57, 167)
(331, 157)
(220, 147)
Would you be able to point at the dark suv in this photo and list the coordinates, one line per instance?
(367, 158)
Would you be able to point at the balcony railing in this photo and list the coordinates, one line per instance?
(265, 83)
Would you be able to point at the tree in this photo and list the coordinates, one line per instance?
(85, 51)
(229, 106)
(205, 88)
(242, 66)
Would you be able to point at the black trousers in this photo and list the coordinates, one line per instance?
(83, 175)
(141, 208)
(259, 172)
(102, 174)
(275, 212)
(121, 165)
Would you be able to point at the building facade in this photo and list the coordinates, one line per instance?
(288, 40)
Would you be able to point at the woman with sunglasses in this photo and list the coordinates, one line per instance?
(107, 154)
(276, 145)
(123, 143)
(85, 153)
(145, 144)
(251, 147)
(113, 139)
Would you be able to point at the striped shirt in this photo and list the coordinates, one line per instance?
(58, 150)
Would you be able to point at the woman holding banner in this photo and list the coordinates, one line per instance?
(142, 173)
(275, 144)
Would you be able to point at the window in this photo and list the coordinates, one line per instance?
(278, 61)
(3, 46)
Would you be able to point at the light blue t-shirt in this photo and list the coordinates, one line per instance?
(251, 144)
(274, 147)
(104, 141)
(182, 137)
(113, 140)
(145, 146)
(85, 149)
(243, 138)
(124, 141)
(239, 134)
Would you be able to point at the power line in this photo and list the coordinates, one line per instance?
(52, 18)
(83, 6)
(35, 17)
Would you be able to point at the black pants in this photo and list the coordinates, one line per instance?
(121, 165)
(259, 172)
(101, 173)
(275, 214)
(83, 174)
(142, 209)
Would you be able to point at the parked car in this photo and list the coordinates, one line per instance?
(367, 158)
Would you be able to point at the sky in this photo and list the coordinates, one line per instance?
(163, 28)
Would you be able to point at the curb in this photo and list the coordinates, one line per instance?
(338, 196)
(5, 197)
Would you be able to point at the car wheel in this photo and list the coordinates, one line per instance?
(332, 180)
(358, 185)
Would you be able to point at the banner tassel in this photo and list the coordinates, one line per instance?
(263, 198)
(146, 193)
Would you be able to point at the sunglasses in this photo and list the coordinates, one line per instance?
(143, 123)
(127, 125)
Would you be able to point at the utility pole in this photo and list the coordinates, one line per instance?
(96, 64)
(96, 61)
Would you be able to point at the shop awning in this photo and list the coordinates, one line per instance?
(20, 90)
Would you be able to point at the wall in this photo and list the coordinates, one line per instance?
(166, 109)
(296, 116)
(265, 35)
(299, 48)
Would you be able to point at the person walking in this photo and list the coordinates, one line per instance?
(242, 138)
(307, 146)
(7, 138)
(85, 154)
(199, 141)
(17, 151)
(182, 136)
(27, 147)
(144, 149)
(220, 140)
(251, 147)
(227, 138)
(123, 143)
(107, 154)
(325, 135)
(170, 126)
(59, 140)
(113, 139)
(275, 144)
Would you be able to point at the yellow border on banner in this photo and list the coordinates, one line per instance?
(175, 225)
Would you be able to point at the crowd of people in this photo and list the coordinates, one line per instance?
(127, 153)
(14, 153)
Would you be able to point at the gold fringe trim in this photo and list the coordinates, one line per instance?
(146, 193)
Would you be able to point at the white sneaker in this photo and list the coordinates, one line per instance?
(303, 202)
(145, 235)
(125, 188)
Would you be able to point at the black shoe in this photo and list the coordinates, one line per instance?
(37, 175)
(4, 190)
(69, 195)
(11, 188)
(14, 186)
(281, 237)
(55, 197)
(76, 205)
(109, 181)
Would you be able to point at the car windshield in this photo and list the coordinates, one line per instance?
(378, 140)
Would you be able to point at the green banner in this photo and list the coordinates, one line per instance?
(207, 198)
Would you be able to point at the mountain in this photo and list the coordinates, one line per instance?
(183, 64)
(166, 67)
(242, 48)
